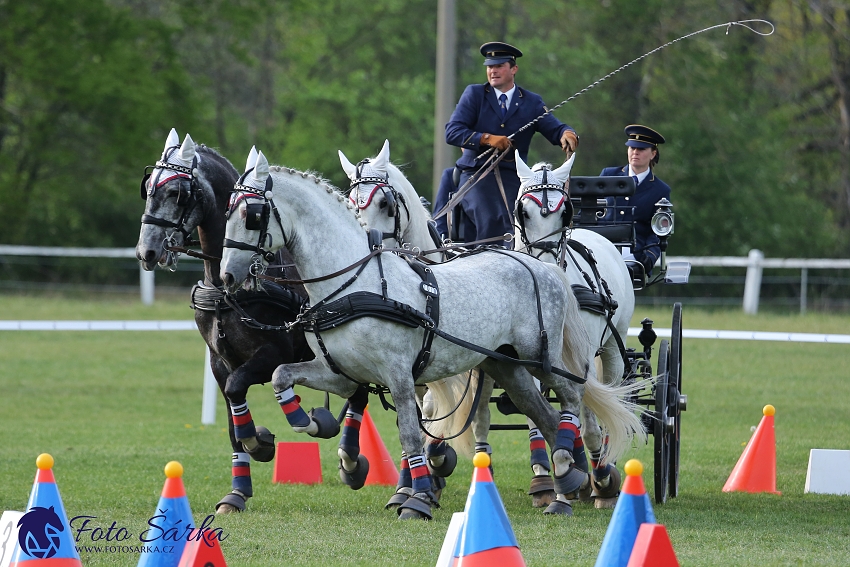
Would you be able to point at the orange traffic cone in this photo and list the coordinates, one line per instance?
(653, 548)
(203, 552)
(756, 469)
(44, 535)
(382, 470)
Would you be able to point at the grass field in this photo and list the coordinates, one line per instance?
(113, 408)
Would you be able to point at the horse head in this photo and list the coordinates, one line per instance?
(543, 209)
(171, 197)
(249, 230)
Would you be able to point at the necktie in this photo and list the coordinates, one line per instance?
(503, 103)
(635, 177)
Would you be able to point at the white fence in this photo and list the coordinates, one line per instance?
(755, 263)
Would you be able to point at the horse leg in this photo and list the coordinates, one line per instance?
(241, 486)
(481, 421)
(257, 441)
(542, 488)
(353, 467)
(318, 422)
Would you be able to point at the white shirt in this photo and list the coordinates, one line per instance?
(509, 94)
(640, 176)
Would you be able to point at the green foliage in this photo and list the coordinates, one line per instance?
(757, 127)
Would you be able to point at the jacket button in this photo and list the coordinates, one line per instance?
(627, 198)
(502, 126)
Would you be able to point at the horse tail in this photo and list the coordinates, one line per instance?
(452, 399)
(619, 417)
(615, 414)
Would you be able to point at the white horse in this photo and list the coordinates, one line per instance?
(387, 201)
(370, 312)
(543, 216)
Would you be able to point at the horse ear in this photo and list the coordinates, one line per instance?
(563, 172)
(349, 168)
(172, 140)
(252, 158)
(522, 170)
(186, 153)
(382, 160)
(261, 169)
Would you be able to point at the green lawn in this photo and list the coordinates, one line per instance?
(113, 408)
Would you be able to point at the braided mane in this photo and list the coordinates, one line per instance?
(326, 185)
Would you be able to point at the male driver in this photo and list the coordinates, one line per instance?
(484, 118)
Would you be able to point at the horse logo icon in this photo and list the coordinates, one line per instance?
(39, 532)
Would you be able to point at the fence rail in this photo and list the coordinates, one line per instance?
(754, 262)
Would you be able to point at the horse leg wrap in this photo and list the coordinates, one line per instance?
(233, 501)
(243, 423)
(419, 473)
(354, 478)
(442, 458)
(537, 446)
(350, 441)
(241, 483)
(404, 489)
(295, 414)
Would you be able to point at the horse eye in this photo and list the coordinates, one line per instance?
(525, 214)
(382, 204)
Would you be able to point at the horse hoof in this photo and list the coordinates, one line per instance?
(325, 421)
(232, 502)
(438, 483)
(558, 508)
(399, 498)
(448, 465)
(357, 478)
(569, 483)
(264, 451)
(541, 490)
(542, 499)
(585, 493)
(408, 514)
(605, 503)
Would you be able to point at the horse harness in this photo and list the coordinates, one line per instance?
(188, 196)
(257, 218)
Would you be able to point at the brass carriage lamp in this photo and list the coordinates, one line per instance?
(662, 220)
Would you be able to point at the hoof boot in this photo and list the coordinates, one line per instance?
(399, 498)
(326, 422)
(264, 451)
(570, 482)
(449, 463)
(232, 502)
(357, 478)
(559, 508)
(417, 507)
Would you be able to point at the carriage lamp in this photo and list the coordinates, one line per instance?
(662, 220)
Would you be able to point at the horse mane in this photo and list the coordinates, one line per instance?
(215, 154)
(326, 185)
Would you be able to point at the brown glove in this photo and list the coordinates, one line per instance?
(569, 142)
(501, 143)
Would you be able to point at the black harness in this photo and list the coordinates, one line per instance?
(257, 216)
(188, 196)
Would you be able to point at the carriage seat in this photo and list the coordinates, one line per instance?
(592, 207)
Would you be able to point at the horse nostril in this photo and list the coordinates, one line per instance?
(228, 279)
(149, 256)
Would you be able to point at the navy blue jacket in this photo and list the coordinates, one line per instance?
(650, 191)
(477, 112)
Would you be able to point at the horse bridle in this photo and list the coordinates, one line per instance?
(566, 216)
(391, 196)
(188, 197)
(257, 218)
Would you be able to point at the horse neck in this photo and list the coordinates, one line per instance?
(416, 231)
(326, 236)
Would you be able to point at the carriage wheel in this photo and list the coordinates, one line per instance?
(675, 399)
(659, 433)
